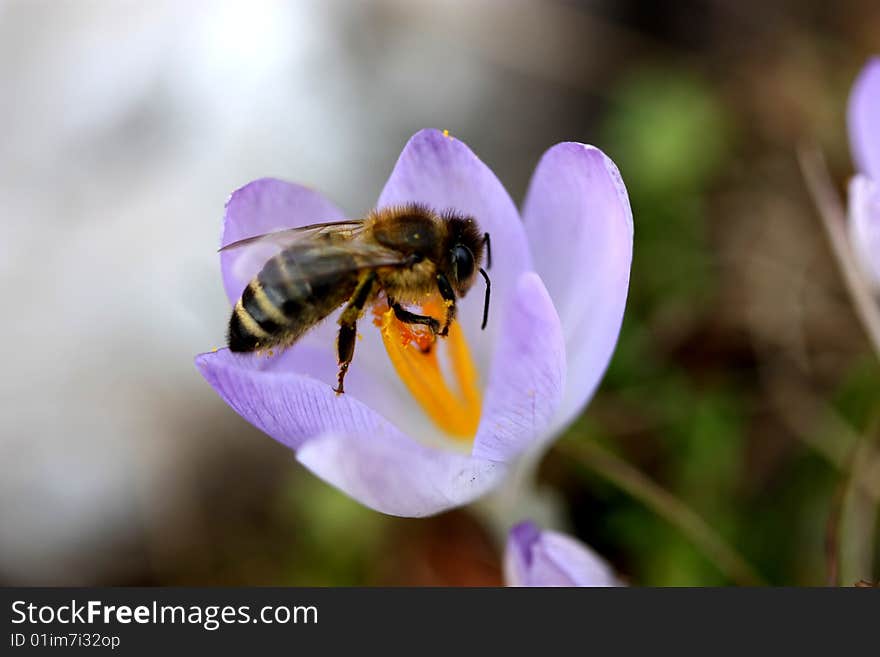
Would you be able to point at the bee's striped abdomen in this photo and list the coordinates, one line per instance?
(255, 321)
(295, 290)
(284, 285)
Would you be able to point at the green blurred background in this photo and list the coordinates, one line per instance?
(743, 384)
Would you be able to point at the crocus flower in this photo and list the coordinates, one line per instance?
(864, 188)
(535, 557)
(411, 437)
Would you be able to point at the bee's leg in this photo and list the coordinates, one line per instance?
(348, 327)
(448, 295)
(407, 317)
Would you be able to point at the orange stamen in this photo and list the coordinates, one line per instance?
(413, 352)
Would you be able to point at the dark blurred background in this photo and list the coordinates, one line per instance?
(743, 383)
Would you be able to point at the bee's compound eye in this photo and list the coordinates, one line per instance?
(462, 263)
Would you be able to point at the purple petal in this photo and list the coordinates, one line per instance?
(546, 558)
(396, 475)
(444, 173)
(864, 225)
(344, 441)
(264, 206)
(292, 407)
(864, 119)
(527, 379)
(579, 223)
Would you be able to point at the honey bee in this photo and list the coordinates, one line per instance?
(406, 252)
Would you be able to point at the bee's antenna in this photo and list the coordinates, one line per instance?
(488, 290)
(488, 250)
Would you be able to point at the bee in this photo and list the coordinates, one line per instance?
(406, 252)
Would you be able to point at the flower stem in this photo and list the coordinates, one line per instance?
(856, 523)
(821, 188)
(631, 480)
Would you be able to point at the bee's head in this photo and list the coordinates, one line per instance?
(464, 252)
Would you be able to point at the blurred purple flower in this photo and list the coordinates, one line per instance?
(535, 557)
(560, 276)
(864, 188)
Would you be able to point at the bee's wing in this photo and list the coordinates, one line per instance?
(317, 261)
(335, 230)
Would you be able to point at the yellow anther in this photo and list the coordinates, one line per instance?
(446, 134)
(414, 354)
